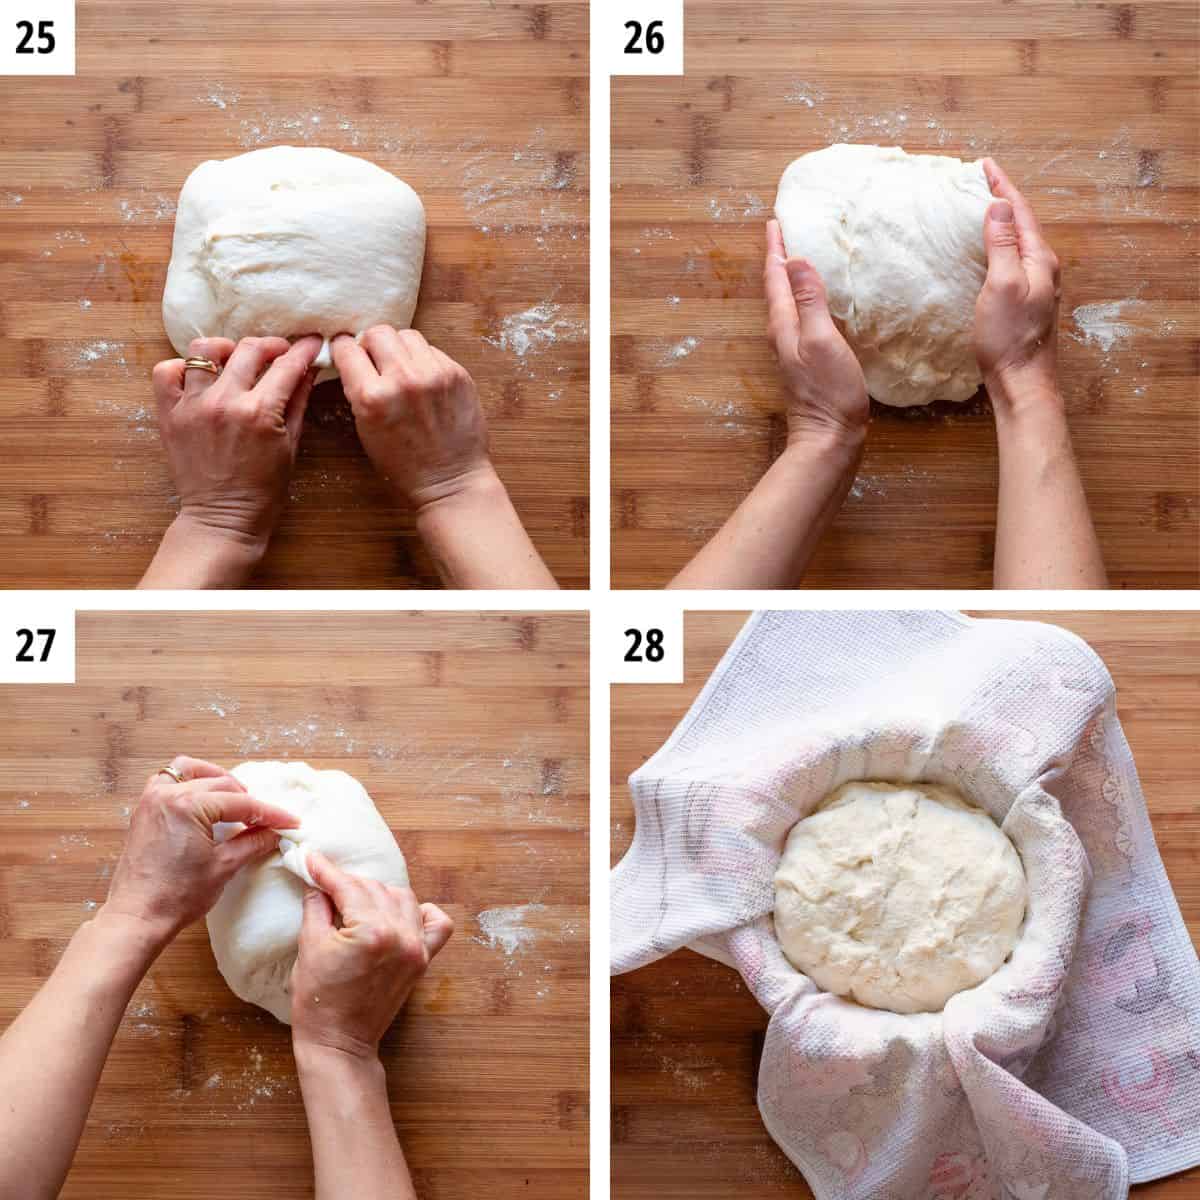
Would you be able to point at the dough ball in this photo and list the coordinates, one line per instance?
(293, 240)
(254, 927)
(898, 240)
(898, 895)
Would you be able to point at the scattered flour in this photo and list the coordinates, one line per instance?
(505, 928)
(1101, 324)
(678, 351)
(533, 330)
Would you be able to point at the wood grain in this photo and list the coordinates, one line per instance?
(483, 109)
(470, 732)
(687, 1035)
(1092, 110)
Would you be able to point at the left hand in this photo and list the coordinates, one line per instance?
(231, 439)
(172, 870)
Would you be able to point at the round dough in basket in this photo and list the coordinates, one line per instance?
(254, 927)
(898, 895)
(293, 240)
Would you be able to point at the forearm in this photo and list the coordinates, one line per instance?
(52, 1054)
(192, 555)
(477, 540)
(770, 538)
(354, 1144)
(1044, 532)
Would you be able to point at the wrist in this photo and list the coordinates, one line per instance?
(345, 1056)
(1017, 391)
(826, 438)
(200, 552)
(478, 483)
(126, 940)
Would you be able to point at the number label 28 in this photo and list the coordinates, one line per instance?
(651, 38)
(26, 639)
(653, 641)
(45, 35)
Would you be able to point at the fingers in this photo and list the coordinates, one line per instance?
(195, 768)
(342, 887)
(1005, 269)
(167, 383)
(783, 322)
(391, 350)
(216, 350)
(318, 916)
(225, 806)
(1041, 263)
(252, 357)
(287, 372)
(354, 365)
(297, 406)
(436, 928)
(247, 847)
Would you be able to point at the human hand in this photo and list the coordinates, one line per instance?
(1016, 314)
(417, 413)
(350, 981)
(825, 384)
(231, 439)
(172, 869)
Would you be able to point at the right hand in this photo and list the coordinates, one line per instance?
(231, 439)
(417, 413)
(350, 980)
(1016, 313)
(825, 384)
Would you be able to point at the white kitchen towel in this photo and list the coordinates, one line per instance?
(1072, 1071)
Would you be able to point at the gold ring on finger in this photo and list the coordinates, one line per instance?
(174, 774)
(201, 364)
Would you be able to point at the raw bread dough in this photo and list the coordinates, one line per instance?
(898, 895)
(293, 240)
(255, 926)
(898, 240)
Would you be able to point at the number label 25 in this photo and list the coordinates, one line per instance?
(45, 36)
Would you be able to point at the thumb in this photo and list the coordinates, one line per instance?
(249, 846)
(808, 290)
(318, 916)
(1002, 245)
(436, 927)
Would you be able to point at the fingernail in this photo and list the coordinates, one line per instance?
(1001, 211)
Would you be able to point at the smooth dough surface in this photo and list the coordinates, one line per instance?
(254, 927)
(898, 895)
(292, 240)
(898, 240)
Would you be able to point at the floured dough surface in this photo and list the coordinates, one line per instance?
(898, 895)
(254, 927)
(293, 240)
(898, 240)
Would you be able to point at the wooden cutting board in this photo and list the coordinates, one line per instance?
(687, 1035)
(482, 108)
(470, 732)
(1092, 110)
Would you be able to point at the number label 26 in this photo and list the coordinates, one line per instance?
(651, 37)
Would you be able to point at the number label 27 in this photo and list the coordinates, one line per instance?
(27, 638)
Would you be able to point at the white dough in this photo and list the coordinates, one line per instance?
(898, 895)
(293, 240)
(898, 240)
(255, 926)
